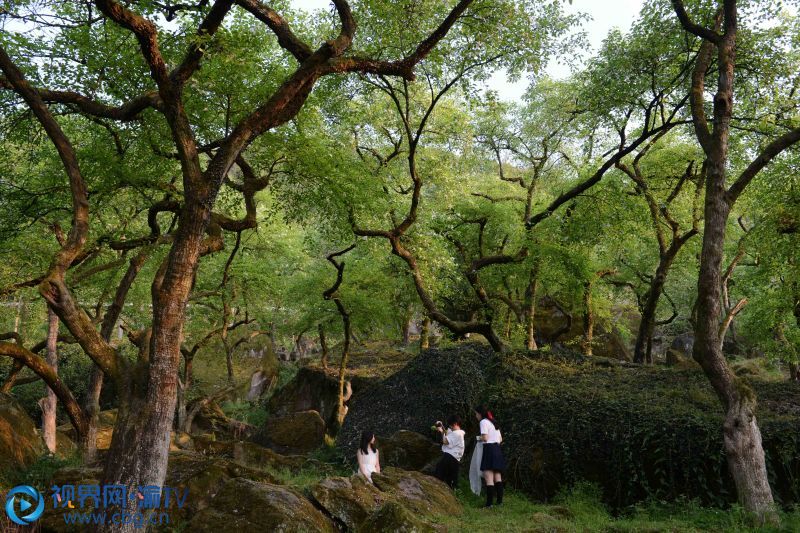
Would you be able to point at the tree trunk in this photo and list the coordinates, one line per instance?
(140, 444)
(425, 334)
(183, 390)
(643, 350)
(110, 319)
(228, 359)
(92, 410)
(742, 437)
(588, 320)
(406, 328)
(18, 315)
(49, 402)
(324, 346)
(530, 312)
(341, 410)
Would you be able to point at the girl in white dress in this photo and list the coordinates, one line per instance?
(367, 455)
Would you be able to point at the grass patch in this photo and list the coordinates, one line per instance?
(581, 509)
(39, 473)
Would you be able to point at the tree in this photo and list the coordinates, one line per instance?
(742, 437)
(138, 454)
(663, 217)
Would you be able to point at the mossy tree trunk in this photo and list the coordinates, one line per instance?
(425, 334)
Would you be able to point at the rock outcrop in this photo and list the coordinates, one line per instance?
(398, 501)
(298, 432)
(20, 442)
(245, 505)
(409, 450)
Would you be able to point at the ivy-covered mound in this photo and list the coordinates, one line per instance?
(427, 389)
(636, 431)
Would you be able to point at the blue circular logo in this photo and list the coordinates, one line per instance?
(25, 500)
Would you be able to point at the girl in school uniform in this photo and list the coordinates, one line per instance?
(493, 464)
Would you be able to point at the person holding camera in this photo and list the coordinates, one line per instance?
(452, 450)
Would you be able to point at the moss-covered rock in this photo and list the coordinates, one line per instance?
(65, 446)
(209, 444)
(105, 429)
(420, 493)
(392, 517)
(205, 476)
(312, 389)
(349, 500)
(298, 432)
(20, 442)
(252, 454)
(245, 505)
(53, 518)
(409, 450)
(212, 420)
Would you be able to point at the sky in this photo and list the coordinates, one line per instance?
(603, 16)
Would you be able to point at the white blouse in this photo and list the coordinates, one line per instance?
(491, 432)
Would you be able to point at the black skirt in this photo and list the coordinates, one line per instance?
(493, 457)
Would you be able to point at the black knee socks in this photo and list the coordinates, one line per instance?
(499, 487)
(489, 495)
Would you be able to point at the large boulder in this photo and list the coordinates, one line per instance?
(20, 442)
(349, 500)
(251, 454)
(312, 389)
(53, 518)
(211, 419)
(420, 493)
(683, 344)
(298, 432)
(202, 476)
(265, 377)
(205, 476)
(398, 501)
(409, 450)
(551, 323)
(430, 387)
(105, 429)
(245, 505)
(392, 517)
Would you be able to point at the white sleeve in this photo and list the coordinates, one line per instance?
(485, 427)
(456, 438)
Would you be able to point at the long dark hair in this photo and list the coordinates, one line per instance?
(365, 445)
(487, 414)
